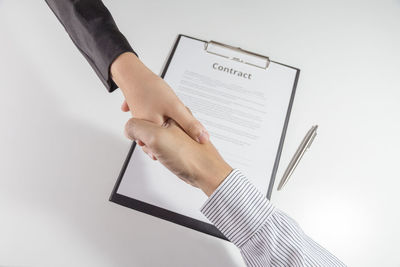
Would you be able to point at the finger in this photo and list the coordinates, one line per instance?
(190, 124)
(124, 106)
(188, 109)
(148, 152)
(170, 122)
(166, 123)
(137, 129)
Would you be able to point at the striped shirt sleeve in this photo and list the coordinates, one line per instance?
(265, 235)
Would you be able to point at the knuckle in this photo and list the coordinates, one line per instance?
(188, 109)
(179, 107)
(194, 126)
(128, 124)
(151, 141)
(129, 128)
(154, 140)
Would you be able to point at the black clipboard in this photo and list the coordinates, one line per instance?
(179, 218)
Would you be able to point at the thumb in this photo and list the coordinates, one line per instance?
(190, 124)
(137, 129)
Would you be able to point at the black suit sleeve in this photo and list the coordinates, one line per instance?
(94, 32)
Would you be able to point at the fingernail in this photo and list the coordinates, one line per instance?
(140, 143)
(203, 137)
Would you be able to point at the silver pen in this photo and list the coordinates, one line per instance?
(305, 144)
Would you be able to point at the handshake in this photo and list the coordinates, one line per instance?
(165, 129)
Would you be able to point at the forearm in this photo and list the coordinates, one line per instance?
(131, 76)
(127, 71)
(265, 235)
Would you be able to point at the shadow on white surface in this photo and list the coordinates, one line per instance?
(59, 171)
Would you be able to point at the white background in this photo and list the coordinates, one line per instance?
(61, 142)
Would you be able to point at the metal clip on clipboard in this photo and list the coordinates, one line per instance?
(237, 54)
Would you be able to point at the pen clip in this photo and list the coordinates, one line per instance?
(312, 139)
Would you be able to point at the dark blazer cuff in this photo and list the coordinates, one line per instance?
(94, 32)
(105, 67)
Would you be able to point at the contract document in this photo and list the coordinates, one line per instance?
(244, 101)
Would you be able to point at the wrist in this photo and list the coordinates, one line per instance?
(129, 73)
(211, 178)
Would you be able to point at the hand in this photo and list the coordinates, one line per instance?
(197, 164)
(149, 97)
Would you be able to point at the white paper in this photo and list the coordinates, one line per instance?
(243, 108)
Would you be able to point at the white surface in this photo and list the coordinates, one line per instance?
(61, 142)
(244, 116)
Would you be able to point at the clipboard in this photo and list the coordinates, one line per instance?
(231, 53)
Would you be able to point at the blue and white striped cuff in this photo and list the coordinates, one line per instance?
(237, 208)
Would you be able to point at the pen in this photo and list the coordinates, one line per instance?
(305, 144)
